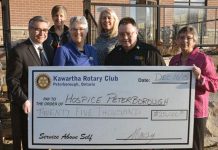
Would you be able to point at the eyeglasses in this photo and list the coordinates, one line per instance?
(38, 30)
(128, 34)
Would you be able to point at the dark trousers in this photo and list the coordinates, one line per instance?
(198, 137)
(199, 129)
(19, 128)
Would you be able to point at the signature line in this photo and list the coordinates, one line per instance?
(152, 139)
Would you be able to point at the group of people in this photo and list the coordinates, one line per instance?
(117, 45)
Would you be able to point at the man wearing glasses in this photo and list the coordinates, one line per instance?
(132, 52)
(31, 52)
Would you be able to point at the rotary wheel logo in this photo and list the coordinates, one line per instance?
(43, 81)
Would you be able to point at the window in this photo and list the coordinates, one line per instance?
(146, 19)
(193, 16)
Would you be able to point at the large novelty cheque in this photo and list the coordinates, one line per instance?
(111, 107)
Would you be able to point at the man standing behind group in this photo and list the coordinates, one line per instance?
(132, 52)
(27, 53)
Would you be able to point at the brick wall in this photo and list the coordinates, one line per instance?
(166, 17)
(211, 14)
(212, 3)
(22, 10)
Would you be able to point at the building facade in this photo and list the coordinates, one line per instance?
(149, 19)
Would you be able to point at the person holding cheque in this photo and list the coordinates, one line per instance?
(76, 52)
(206, 78)
(31, 52)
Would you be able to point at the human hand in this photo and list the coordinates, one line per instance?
(27, 107)
(197, 72)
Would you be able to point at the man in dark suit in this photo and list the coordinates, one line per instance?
(27, 53)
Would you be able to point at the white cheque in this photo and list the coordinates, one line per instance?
(111, 107)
